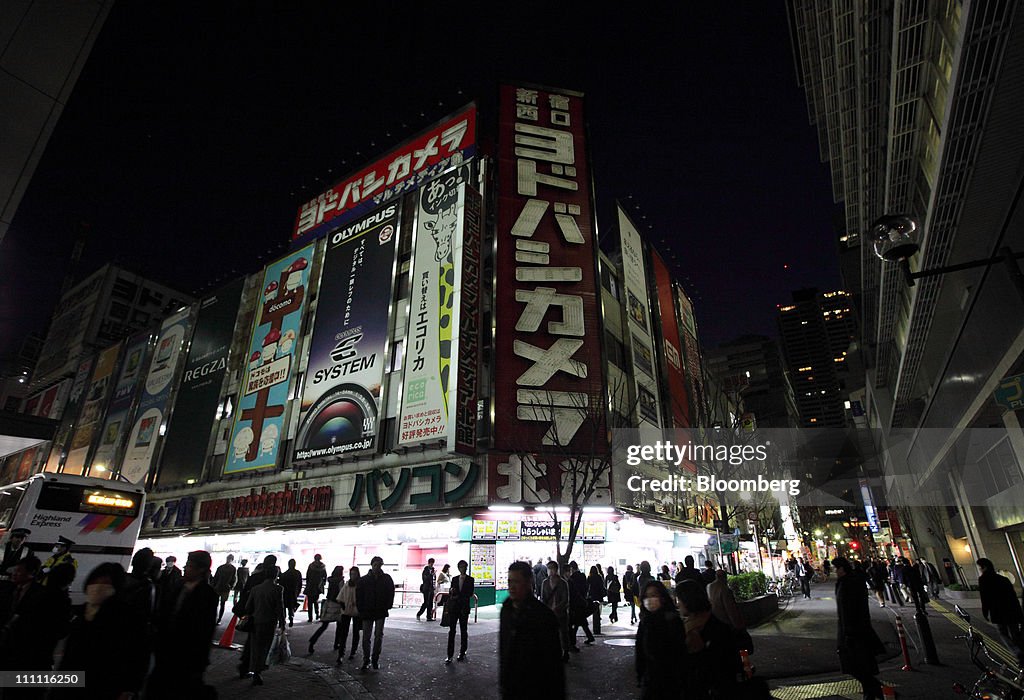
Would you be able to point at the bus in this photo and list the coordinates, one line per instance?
(101, 517)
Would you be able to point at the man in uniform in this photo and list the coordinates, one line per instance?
(61, 555)
(14, 551)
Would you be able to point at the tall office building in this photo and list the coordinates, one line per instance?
(754, 363)
(816, 331)
(917, 107)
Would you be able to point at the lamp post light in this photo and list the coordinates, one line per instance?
(894, 238)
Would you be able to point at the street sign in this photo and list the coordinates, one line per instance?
(721, 524)
(1010, 392)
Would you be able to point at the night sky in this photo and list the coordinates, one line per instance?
(190, 140)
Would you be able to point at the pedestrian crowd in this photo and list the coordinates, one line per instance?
(146, 631)
(896, 581)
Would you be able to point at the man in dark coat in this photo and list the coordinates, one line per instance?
(183, 650)
(579, 606)
(375, 595)
(316, 575)
(999, 605)
(856, 639)
(266, 570)
(708, 574)
(529, 651)
(37, 619)
(14, 551)
(689, 572)
(540, 572)
(291, 582)
(459, 604)
(427, 589)
(223, 582)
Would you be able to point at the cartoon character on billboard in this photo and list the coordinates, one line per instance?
(442, 230)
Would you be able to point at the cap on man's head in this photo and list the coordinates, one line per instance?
(62, 540)
(20, 532)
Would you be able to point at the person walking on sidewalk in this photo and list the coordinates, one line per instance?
(579, 605)
(459, 605)
(629, 592)
(804, 572)
(427, 589)
(223, 582)
(540, 572)
(349, 615)
(614, 588)
(331, 608)
(857, 642)
(596, 593)
(375, 595)
(266, 606)
(241, 578)
(555, 595)
(316, 574)
(660, 646)
(528, 640)
(915, 586)
(291, 582)
(999, 605)
(444, 582)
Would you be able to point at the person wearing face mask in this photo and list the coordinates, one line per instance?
(98, 635)
(61, 555)
(711, 652)
(660, 644)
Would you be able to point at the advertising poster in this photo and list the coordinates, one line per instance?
(446, 145)
(61, 439)
(342, 393)
(671, 345)
(154, 397)
(548, 370)
(199, 391)
(638, 319)
(26, 464)
(468, 346)
(49, 405)
(96, 396)
(427, 396)
(259, 418)
(115, 428)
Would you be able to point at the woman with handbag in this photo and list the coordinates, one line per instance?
(331, 608)
(349, 615)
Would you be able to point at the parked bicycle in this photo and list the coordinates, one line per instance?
(998, 681)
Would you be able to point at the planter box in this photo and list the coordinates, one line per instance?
(960, 595)
(756, 610)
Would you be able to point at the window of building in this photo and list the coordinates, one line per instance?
(118, 310)
(123, 289)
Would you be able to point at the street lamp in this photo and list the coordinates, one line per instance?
(894, 239)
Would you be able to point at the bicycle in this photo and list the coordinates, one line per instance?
(998, 681)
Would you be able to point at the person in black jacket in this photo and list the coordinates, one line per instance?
(316, 575)
(529, 649)
(375, 595)
(334, 582)
(427, 589)
(99, 633)
(579, 606)
(999, 605)
(688, 572)
(183, 648)
(855, 637)
(712, 658)
(291, 582)
(459, 604)
(596, 593)
(614, 588)
(660, 645)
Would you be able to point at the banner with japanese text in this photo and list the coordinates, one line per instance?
(549, 384)
(427, 387)
(263, 397)
(154, 399)
(341, 396)
(195, 406)
(97, 394)
(115, 427)
(678, 398)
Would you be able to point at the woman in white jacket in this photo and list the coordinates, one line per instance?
(349, 614)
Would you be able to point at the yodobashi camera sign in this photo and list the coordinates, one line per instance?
(342, 394)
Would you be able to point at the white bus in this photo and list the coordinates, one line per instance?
(101, 517)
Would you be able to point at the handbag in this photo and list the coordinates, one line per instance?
(330, 611)
(446, 614)
(244, 624)
(280, 649)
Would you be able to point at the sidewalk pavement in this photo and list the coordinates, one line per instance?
(795, 650)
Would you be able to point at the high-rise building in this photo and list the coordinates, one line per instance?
(754, 364)
(918, 110)
(816, 331)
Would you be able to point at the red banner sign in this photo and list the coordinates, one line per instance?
(671, 344)
(548, 378)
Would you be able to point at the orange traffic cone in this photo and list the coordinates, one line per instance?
(305, 604)
(229, 634)
(888, 691)
(748, 670)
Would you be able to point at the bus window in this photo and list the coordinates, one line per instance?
(10, 497)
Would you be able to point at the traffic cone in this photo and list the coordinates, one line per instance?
(748, 670)
(888, 691)
(305, 604)
(229, 634)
